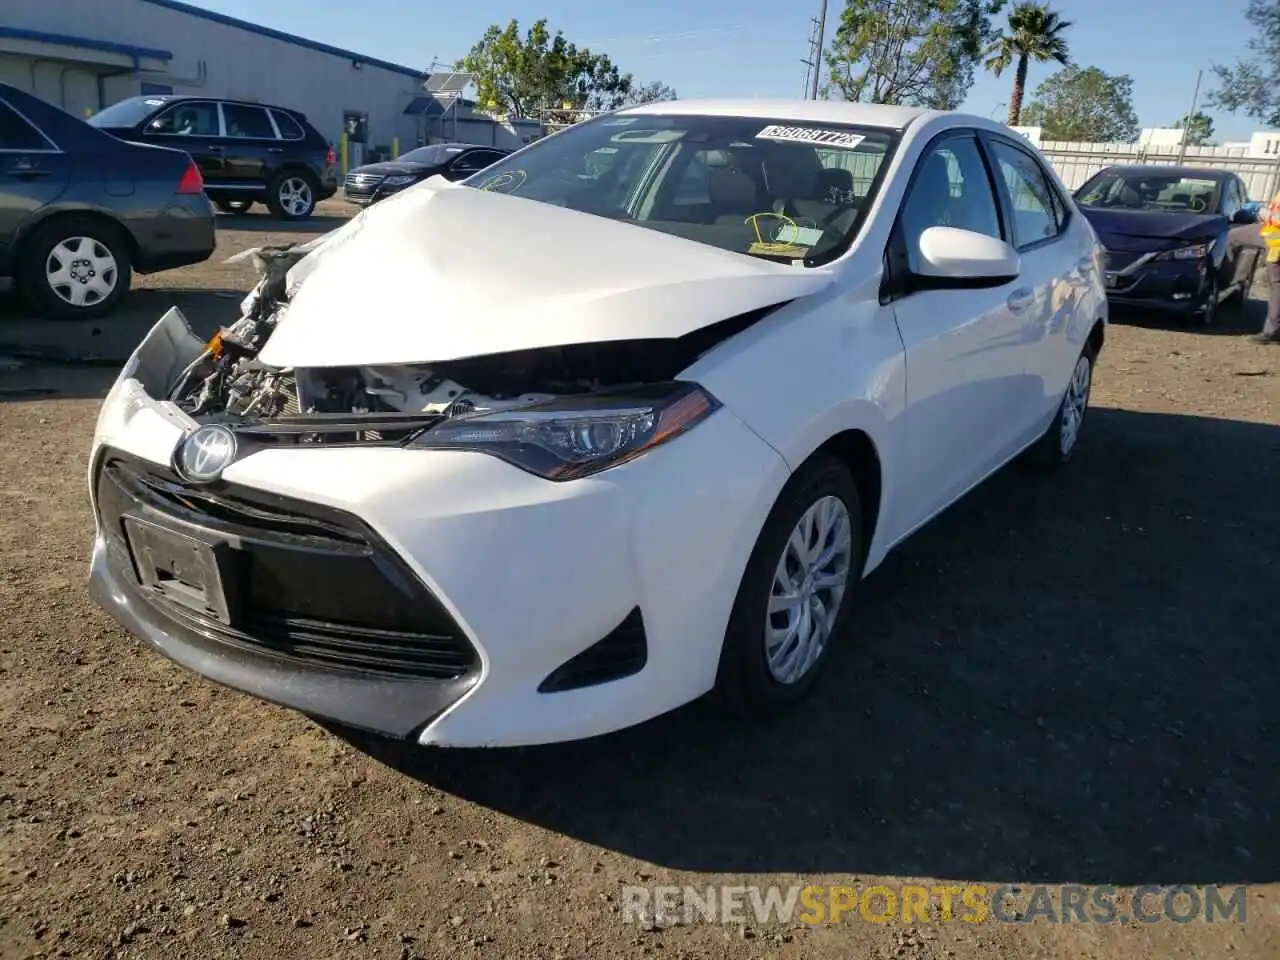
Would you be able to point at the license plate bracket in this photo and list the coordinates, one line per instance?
(180, 568)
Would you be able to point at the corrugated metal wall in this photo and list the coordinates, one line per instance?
(1077, 162)
(219, 60)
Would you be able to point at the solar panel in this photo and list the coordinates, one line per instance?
(447, 83)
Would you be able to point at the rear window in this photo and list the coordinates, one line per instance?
(127, 113)
(290, 129)
(247, 122)
(17, 134)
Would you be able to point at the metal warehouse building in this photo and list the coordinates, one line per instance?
(84, 55)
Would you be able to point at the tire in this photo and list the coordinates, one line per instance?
(234, 206)
(75, 268)
(1208, 315)
(291, 194)
(748, 680)
(1060, 442)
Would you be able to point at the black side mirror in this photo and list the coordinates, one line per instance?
(1245, 215)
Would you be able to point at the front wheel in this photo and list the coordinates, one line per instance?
(795, 596)
(291, 195)
(1059, 443)
(1207, 315)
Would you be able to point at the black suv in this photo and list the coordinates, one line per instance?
(248, 152)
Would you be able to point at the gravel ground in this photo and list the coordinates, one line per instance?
(1062, 680)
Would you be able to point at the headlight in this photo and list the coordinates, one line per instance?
(398, 181)
(577, 436)
(1193, 252)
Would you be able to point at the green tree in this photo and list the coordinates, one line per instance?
(1252, 86)
(1083, 103)
(908, 52)
(530, 75)
(1199, 129)
(651, 92)
(1035, 33)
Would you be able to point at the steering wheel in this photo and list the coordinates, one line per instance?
(754, 220)
(508, 182)
(1197, 205)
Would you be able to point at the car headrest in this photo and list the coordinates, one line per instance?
(834, 185)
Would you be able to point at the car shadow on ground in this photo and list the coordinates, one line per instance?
(1232, 320)
(81, 358)
(260, 223)
(1064, 678)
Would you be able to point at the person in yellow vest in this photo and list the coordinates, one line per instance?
(1270, 220)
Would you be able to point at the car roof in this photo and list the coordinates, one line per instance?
(807, 111)
(157, 99)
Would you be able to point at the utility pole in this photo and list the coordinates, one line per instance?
(1186, 123)
(813, 63)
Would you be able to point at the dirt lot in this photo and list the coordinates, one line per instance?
(1064, 680)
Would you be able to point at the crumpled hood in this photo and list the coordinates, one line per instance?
(1152, 229)
(441, 272)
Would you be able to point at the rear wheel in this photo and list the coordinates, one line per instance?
(291, 194)
(1058, 445)
(74, 268)
(795, 596)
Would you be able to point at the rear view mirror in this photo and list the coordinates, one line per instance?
(966, 257)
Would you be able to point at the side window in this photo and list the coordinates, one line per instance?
(470, 162)
(18, 135)
(250, 123)
(198, 119)
(951, 189)
(486, 158)
(290, 129)
(1231, 201)
(1037, 214)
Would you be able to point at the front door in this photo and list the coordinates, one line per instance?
(963, 347)
(196, 127)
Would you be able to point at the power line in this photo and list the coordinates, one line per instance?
(813, 63)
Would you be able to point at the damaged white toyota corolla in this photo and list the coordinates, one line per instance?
(619, 421)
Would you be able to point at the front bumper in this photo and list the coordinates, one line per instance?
(530, 572)
(366, 196)
(1174, 285)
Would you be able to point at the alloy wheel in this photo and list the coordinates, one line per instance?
(295, 196)
(81, 271)
(1075, 404)
(809, 582)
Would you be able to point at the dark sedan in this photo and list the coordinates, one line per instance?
(1168, 234)
(81, 210)
(454, 161)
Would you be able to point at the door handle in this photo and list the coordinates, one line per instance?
(275, 149)
(1020, 299)
(214, 148)
(28, 173)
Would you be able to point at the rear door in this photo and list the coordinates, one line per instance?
(33, 173)
(1054, 251)
(250, 145)
(196, 127)
(963, 346)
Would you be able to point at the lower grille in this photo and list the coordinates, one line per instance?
(306, 583)
(624, 652)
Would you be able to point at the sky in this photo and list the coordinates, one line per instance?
(754, 48)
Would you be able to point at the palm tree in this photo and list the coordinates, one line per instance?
(1035, 33)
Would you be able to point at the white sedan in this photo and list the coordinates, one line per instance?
(618, 422)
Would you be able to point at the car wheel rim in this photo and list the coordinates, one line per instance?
(81, 271)
(295, 196)
(1075, 403)
(809, 583)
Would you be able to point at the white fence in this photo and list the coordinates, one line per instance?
(1077, 162)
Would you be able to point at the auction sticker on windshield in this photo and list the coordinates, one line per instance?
(813, 135)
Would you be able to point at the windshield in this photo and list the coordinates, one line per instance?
(1150, 190)
(126, 113)
(774, 189)
(433, 155)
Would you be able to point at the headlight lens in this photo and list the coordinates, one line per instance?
(1193, 252)
(398, 181)
(577, 436)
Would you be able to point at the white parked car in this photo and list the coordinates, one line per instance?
(619, 421)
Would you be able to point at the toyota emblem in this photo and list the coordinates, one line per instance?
(206, 453)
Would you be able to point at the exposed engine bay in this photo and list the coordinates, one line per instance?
(227, 382)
